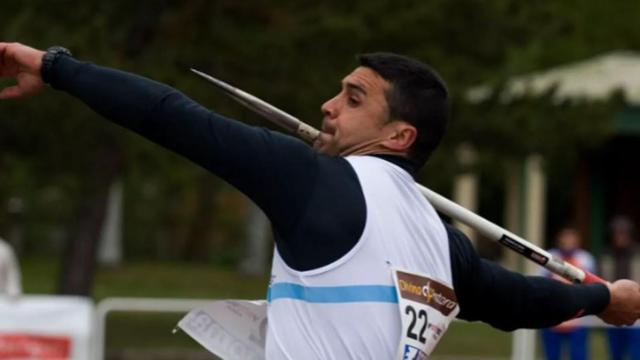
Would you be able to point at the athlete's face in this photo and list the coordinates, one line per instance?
(356, 120)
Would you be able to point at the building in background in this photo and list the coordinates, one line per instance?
(607, 178)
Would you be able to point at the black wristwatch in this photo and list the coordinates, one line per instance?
(49, 58)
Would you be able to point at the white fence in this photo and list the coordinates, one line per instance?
(72, 328)
(156, 305)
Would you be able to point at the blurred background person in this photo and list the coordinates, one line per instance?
(10, 283)
(570, 333)
(622, 261)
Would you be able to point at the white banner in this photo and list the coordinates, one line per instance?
(45, 327)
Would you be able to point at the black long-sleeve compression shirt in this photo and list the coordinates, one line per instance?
(314, 201)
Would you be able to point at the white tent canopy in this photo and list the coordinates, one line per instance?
(592, 79)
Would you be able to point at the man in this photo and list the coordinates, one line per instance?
(571, 332)
(344, 215)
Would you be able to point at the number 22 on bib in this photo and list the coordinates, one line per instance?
(427, 306)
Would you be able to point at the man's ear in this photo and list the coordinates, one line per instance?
(401, 136)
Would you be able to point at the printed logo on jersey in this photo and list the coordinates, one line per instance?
(427, 291)
(413, 353)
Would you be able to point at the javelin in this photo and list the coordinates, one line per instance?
(442, 204)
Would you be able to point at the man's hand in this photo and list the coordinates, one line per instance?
(624, 306)
(22, 63)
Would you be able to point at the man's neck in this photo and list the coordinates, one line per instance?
(400, 161)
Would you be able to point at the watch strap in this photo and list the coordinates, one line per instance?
(49, 59)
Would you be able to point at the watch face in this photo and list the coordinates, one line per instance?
(58, 50)
(49, 58)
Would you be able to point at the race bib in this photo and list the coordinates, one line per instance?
(427, 306)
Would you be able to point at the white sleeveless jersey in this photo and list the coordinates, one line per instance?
(349, 308)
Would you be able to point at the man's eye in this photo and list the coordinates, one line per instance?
(353, 101)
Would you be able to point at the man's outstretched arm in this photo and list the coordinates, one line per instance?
(259, 162)
(508, 301)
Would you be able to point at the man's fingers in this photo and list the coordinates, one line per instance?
(7, 56)
(23, 64)
(8, 65)
(8, 70)
(16, 58)
(11, 92)
(17, 91)
(3, 50)
(4, 66)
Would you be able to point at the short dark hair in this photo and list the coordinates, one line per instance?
(418, 96)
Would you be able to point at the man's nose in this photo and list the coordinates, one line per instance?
(330, 108)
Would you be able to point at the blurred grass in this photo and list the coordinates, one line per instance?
(149, 279)
(477, 340)
(202, 281)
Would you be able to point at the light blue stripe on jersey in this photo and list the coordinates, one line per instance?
(333, 294)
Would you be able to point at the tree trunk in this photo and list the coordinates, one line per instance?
(199, 230)
(79, 258)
